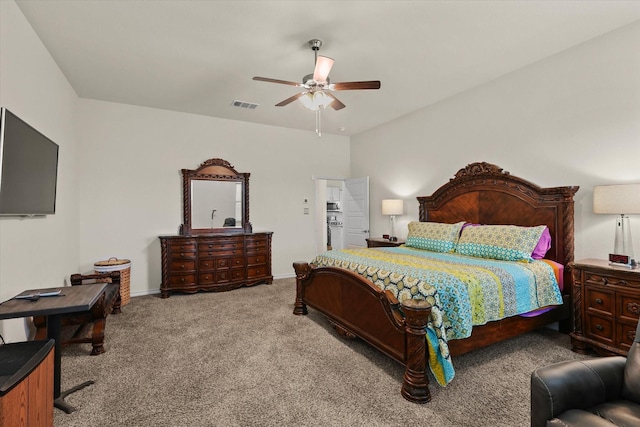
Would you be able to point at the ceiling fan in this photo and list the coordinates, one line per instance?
(318, 88)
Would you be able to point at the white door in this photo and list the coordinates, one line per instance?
(356, 212)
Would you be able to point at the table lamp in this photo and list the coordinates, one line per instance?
(622, 200)
(392, 207)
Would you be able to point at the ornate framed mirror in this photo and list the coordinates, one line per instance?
(215, 199)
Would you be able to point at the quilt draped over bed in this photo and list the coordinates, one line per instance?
(463, 291)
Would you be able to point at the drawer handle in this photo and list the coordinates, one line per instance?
(599, 327)
(210, 253)
(182, 280)
(633, 307)
(182, 266)
(206, 277)
(206, 264)
(210, 246)
(599, 300)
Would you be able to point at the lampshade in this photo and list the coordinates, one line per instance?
(392, 207)
(323, 67)
(616, 199)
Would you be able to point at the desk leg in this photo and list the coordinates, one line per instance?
(53, 332)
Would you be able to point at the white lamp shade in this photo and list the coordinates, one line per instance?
(620, 199)
(323, 68)
(392, 207)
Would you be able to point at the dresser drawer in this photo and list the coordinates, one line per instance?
(221, 244)
(223, 263)
(215, 252)
(229, 275)
(206, 264)
(182, 246)
(183, 265)
(629, 308)
(600, 300)
(600, 328)
(182, 251)
(182, 279)
(256, 259)
(256, 271)
(206, 278)
(626, 334)
(257, 242)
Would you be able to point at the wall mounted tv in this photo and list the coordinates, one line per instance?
(28, 169)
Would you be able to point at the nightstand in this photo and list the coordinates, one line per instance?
(379, 242)
(606, 307)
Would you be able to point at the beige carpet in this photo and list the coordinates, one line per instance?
(241, 358)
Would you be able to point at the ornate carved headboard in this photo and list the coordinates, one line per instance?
(483, 193)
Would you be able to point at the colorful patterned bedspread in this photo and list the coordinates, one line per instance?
(464, 291)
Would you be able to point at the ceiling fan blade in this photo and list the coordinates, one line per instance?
(282, 82)
(336, 104)
(372, 84)
(323, 68)
(290, 99)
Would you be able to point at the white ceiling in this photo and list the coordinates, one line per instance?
(199, 56)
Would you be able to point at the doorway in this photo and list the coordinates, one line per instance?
(346, 224)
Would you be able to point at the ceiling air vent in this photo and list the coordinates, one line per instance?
(244, 104)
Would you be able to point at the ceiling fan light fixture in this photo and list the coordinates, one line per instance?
(315, 100)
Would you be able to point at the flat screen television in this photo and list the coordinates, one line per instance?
(28, 169)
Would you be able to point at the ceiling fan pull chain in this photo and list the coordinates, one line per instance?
(318, 130)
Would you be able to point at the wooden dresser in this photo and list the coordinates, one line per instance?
(215, 262)
(606, 307)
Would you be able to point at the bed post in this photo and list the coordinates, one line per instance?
(415, 383)
(302, 272)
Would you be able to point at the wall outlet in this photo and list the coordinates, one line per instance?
(306, 211)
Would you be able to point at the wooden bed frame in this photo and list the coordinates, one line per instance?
(479, 193)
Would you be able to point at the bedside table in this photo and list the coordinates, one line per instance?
(606, 307)
(379, 242)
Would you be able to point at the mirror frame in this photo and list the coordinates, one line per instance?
(214, 170)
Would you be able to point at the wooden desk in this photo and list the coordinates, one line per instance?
(71, 299)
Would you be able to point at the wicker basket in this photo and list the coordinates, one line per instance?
(122, 265)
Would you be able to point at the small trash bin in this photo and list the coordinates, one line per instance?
(124, 267)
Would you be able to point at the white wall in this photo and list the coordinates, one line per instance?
(570, 119)
(130, 186)
(43, 251)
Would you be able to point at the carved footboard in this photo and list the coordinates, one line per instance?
(357, 308)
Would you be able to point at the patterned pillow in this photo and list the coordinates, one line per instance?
(503, 242)
(433, 236)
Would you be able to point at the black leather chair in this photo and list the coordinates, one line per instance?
(593, 392)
